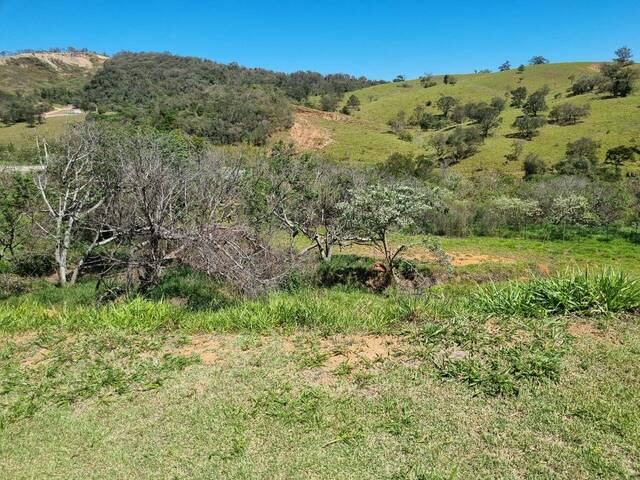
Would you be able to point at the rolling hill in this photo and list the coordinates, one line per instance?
(365, 137)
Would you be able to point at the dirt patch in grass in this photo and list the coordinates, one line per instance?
(595, 67)
(357, 349)
(583, 329)
(210, 348)
(458, 259)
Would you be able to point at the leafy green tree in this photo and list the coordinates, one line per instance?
(618, 80)
(353, 102)
(533, 165)
(581, 158)
(487, 118)
(568, 113)
(624, 56)
(329, 102)
(458, 114)
(521, 69)
(620, 155)
(528, 126)
(445, 104)
(505, 66)
(537, 102)
(518, 96)
(498, 103)
(585, 84)
(538, 60)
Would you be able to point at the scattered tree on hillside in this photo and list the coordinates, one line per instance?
(538, 60)
(568, 113)
(505, 66)
(533, 165)
(521, 68)
(518, 96)
(618, 79)
(528, 126)
(624, 56)
(498, 103)
(517, 147)
(486, 116)
(536, 102)
(427, 80)
(619, 156)
(449, 80)
(398, 123)
(399, 78)
(353, 103)
(581, 158)
(585, 84)
(329, 102)
(445, 104)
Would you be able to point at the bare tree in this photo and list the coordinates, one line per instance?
(76, 188)
(304, 195)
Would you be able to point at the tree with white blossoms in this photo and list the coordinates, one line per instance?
(516, 212)
(374, 212)
(571, 210)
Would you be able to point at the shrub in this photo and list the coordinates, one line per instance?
(12, 285)
(198, 291)
(34, 264)
(576, 292)
(345, 270)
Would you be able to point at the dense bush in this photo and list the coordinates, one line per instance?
(346, 270)
(34, 264)
(12, 285)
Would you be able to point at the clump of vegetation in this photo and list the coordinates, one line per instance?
(573, 292)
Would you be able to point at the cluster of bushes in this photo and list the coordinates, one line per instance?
(15, 108)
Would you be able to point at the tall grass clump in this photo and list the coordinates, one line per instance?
(579, 292)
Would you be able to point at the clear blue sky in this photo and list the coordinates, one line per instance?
(376, 38)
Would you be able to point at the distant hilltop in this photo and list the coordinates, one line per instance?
(55, 60)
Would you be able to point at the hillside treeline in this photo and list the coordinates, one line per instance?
(224, 103)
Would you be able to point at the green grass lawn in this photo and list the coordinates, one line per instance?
(322, 382)
(611, 121)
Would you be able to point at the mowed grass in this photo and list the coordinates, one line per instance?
(21, 135)
(611, 121)
(300, 407)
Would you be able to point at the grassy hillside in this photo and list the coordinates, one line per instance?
(611, 121)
